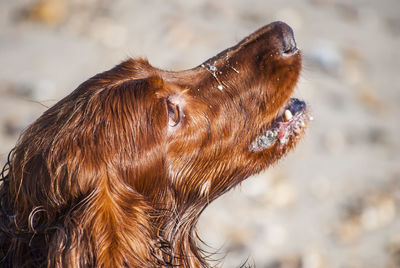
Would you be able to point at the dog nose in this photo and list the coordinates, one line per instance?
(286, 44)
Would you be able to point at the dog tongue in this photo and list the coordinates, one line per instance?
(283, 132)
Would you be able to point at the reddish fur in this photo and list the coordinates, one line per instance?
(101, 179)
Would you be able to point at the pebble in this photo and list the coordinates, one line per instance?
(256, 188)
(313, 258)
(181, 35)
(277, 235)
(286, 262)
(379, 213)
(32, 88)
(354, 74)
(393, 24)
(393, 250)
(109, 33)
(348, 230)
(371, 212)
(11, 128)
(275, 191)
(321, 188)
(326, 56)
(348, 11)
(282, 194)
(49, 12)
(334, 140)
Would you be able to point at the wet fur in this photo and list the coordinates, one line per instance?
(104, 179)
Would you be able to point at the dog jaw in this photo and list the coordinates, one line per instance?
(231, 102)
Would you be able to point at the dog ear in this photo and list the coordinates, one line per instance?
(83, 173)
(132, 136)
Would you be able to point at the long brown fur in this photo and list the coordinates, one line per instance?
(117, 173)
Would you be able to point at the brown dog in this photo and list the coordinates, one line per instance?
(117, 173)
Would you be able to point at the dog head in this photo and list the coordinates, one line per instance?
(118, 172)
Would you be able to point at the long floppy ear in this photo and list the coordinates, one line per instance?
(129, 144)
(79, 175)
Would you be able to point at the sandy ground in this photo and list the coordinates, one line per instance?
(335, 201)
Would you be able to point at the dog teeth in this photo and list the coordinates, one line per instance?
(271, 134)
(288, 115)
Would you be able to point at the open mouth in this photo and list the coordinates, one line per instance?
(289, 123)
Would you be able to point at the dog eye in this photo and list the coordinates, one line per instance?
(174, 116)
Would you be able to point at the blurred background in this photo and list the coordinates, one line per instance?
(335, 201)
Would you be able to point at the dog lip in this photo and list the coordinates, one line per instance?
(281, 128)
(294, 105)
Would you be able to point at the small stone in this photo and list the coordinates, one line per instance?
(393, 249)
(321, 188)
(379, 214)
(282, 194)
(28, 86)
(11, 128)
(108, 32)
(276, 235)
(393, 24)
(348, 11)
(313, 258)
(286, 262)
(348, 230)
(334, 140)
(50, 12)
(326, 56)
